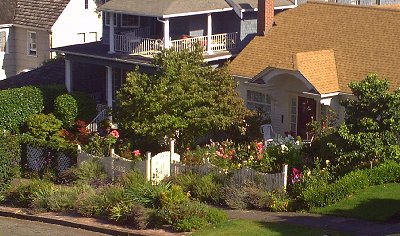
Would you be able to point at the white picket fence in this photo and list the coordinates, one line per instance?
(166, 164)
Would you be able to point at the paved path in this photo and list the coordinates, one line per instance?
(347, 225)
(17, 227)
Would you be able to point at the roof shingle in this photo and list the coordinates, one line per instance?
(364, 40)
(7, 10)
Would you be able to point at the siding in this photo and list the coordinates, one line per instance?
(23, 61)
(7, 60)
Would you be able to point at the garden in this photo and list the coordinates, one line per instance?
(211, 126)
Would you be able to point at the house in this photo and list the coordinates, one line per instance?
(135, 30)
(302, 66)
(28, 29)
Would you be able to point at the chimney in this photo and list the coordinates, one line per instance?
(265, 16)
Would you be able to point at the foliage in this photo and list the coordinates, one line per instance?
(10, 158)
(66, 109)
(79, 133)
(132, 214)
(86, 106)
(184, 100)
(101, 145)
(90, 172)
(50, 93)
(17, 104)
(26, 191)
(43, 126)
(317, 193)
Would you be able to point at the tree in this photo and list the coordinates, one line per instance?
(184, 99)
(372, 124)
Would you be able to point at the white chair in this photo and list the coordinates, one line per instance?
(268, 133)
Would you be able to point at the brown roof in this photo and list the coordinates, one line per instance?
(364, 40)
(7, 9)
(39, 13)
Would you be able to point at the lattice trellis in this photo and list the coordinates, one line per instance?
(63, 162)
(35, 158)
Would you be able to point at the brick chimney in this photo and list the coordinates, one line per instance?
(265, 16)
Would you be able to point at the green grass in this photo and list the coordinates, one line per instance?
(376, 203)
(255, 228)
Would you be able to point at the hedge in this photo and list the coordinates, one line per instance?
(10, 158)
(17, 104)
(353, 182)
(66, 109)
(50, 92)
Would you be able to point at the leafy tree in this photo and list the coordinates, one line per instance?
(184, 99)
(372, 125)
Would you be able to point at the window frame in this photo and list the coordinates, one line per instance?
(3, 45)
(267, 113)
(129, 26)
(107, 20)
(30, 50)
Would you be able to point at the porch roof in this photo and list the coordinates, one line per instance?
(252, 5)
(165, 8)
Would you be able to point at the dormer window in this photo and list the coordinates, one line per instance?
(355, 2)
(130, 21)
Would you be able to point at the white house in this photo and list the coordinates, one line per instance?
(28, 29)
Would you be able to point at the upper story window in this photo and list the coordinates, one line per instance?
(86, 4)
(32, 43)
(260, 102)
(3, 41)
(130, 21)
(107, 19)
(355, 2)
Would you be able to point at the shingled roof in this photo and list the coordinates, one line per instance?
(7, 10)
(321, 39)
(38, 13)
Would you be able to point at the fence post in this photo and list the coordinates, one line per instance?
(285, 170)
(148, 166)
(171, 150)
(111, 156)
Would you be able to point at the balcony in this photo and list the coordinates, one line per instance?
(138, 43)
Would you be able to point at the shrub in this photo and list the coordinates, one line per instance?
(132, 214)
(10, 158)
(234, 196)
(50, 93)
(86, 106)
(26, 191)
(89, 203)
(66, 109)
(91, 172)
(17, 104)
(43, 126)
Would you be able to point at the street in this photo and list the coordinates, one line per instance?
(17, 227)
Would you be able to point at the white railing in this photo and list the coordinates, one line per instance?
(145, 46)
(140, 32)
(94, 124)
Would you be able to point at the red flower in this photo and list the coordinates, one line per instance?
(136, 153)
(115, 133)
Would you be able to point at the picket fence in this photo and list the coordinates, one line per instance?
(166, 164)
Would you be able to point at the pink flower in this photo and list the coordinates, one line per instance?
(296, 175)
(136, 153)
(115, 133)
(218, 153)
(260, 146)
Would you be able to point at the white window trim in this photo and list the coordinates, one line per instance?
(291, 121)
(106, 15)
(260, 103)
(28, 46)
(129, 26)
(6, 43)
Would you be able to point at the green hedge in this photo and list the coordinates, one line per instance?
(66, 109)
(10, 158)
(323, 195)
(50, 93)
(17, 104)
(86, 106)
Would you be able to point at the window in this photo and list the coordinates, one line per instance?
(130, 21)
(92, 37)
(378, 2)
(32, 41)
(355, 2)
(293, 115)
(119, 78)
(86, 4)
(260, 102)
(82, 37)
(3, 41)
(107, 19)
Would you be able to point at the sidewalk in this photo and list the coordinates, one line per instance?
(346, 225)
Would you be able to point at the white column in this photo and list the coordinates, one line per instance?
(109, 86)
(167, 42)
(209, 33)
(111, 33)
(68, 75)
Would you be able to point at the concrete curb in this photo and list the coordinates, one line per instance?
(97, 227)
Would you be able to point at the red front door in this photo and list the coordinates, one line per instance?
(306, 113)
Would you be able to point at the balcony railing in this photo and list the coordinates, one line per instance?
(145, 46)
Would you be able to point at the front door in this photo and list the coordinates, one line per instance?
(306, 113)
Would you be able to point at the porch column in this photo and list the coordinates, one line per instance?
(68, 75)
(209, 33)
(111, 33)
(109, 87)
(167, 42)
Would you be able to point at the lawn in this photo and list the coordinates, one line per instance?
(254, 228)
(377, 203)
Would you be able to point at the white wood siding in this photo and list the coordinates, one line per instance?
(75, 23)
(7, 59)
